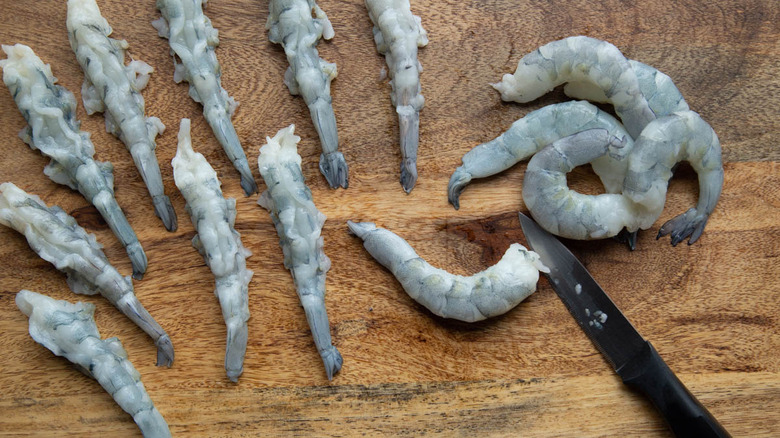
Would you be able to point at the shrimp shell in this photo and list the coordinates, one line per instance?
(57, 238)
(69, 330)
(113, 87)
(218, 242)
(486, 294)
(299, 226)
(290, 23)
(50, 111)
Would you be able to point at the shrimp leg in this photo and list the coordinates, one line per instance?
(534, 131)
(398, 34)
(580, 59)
(486, 294)
(299, 226)
(682, 136)
(290, 23)
(113, 87)
(69, 330)
(57, 238)
(193, 40)
(218, 242)
(50, 111)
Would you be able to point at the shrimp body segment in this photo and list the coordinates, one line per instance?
(398, 34)
(50, 111)
(69, 330)
(218, 242)
(114, 87)
(193, 39)
(57, 238)
(290, 23)
(533, 132)
(489, 293)
(299, 226)
(580, 59)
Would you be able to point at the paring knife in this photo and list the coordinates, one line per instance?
(632, 357)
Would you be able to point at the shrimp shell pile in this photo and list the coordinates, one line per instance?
(486, 294)
(290, 23)
(114, 87)
(398, 34)
(69, 330)
(57, 238)
(193, 39)
(218, 242)
(299, 226)
(50, 111)
(635, 169)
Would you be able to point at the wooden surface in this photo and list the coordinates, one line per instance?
(710, 309)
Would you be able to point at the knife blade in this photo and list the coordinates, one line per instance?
(632, 357)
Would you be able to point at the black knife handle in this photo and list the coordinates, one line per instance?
(649, 374)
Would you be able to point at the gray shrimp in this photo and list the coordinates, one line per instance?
(291, 24)
(533, 132)
(489, 293)
(69, 331)
(114, 87)
(581, 59)
(398, 34)
(57, 238)
(193, 39)
(50, 111)
(218, 242)
(299, 226)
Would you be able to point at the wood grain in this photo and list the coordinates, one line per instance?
(710, 309)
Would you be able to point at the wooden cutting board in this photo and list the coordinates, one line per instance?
(710, 309)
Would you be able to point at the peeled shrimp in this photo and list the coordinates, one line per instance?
(581, 59)
(398, 34)
(218, 242)
(193, 40)
(290, 23)
(69, 330)
(299, 226)
(489, 293)
(114, 87)
(58, 239)
(50, 111)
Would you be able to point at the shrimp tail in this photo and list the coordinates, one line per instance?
(409, 124)
(237, 336)
(317, 317)
(628, 237)
(226, 134)
(136, 312)
(687, 224)
(458, 182)
(164, 210)
(334, 167)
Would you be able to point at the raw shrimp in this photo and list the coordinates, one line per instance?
(531, 133)
(398, 34)
(69, 330)
(218, 242)
(489, 293)
(50, 111)
(114, 87)
(299, 226)
(193, 40)
(290, 23)
(58, 239)
(580, 59)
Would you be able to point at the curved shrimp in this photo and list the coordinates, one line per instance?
(486, 294)
(534, 131)
(580, 59)
(113, 87)
(50, 111)
(69, 330)
(398, 34)
(57, 238)
(218, 242)
(290, 23)
(299, 226)
(193, 39)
